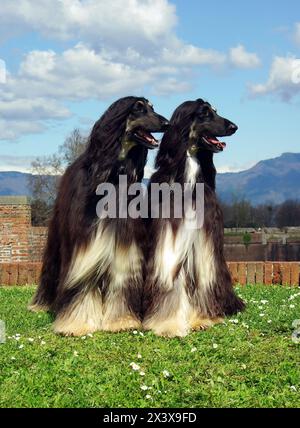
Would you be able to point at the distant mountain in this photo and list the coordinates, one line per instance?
(14, 183)
(273, 180)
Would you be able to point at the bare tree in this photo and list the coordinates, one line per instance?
(46, 172)
(288, 214)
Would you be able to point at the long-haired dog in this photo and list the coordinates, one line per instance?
(188, 285)
(92, 273)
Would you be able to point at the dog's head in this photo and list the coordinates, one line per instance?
(141, 121)
(203, 125)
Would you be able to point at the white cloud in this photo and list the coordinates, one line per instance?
(118, 47)
(192, 55)
(240, 58)
(283, 81)
(13, 130)
(113, 23)
(16, 163)
(32, 109)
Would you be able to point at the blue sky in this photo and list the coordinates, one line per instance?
(66, 61)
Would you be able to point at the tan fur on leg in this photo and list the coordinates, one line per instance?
(82, 317)
(126, 268)
(202, 323)
(123, 323)
(171, 317)
(35, 307)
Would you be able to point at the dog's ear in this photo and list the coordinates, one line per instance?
(208, 169)
(169, 146)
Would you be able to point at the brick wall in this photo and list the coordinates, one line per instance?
(19, 241)
(37, 241)
(15, 222)
(267, 273)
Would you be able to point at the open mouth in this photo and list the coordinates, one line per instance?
(146, 138)
(214, 143)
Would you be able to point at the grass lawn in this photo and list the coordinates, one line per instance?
(250, 361)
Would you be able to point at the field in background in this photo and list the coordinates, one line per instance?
(250, 361)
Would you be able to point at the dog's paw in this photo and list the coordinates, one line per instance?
(69, 327)
(199, 323)
(167, 328)
(121, 324)
(36, 307)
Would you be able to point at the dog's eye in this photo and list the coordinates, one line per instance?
(206, 113)
(139, 107)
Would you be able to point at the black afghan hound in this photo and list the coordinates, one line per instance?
(92, 274)
(188, 284)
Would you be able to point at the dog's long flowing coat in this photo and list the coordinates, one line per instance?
(92, 269)
(188, 284)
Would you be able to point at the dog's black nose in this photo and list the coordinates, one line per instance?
(165, 124)
(232, 127)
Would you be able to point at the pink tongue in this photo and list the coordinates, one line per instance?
(211, 140)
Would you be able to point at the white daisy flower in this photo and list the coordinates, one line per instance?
(148, 396)
(30, 339)
(75, 353)
(144, 387)
(43, 342)
(134, 366)
(193, 349)
(142, 373)
(135, 332)
(139, 355)
(166, 373)
(264, 302)
(215, 345)
(21, 346)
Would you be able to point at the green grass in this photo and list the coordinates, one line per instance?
(250, 363)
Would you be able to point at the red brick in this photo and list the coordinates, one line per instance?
(268, 277)
(277, 279)
(251, 273)
(233, 269)
(242, 273)
(295, 273)
(23, 274)
(259, 275)
(285, 273)
(13, 271)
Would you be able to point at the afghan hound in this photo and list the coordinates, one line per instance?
(188, 285)
(92, 273)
